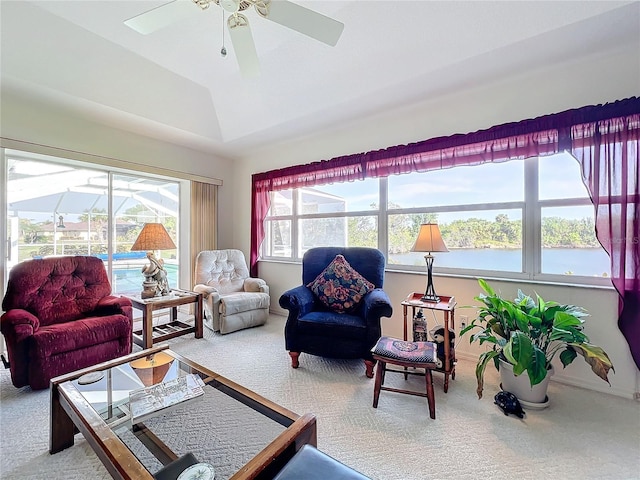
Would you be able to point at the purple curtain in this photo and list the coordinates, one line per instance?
(604, 139)
(608, 151)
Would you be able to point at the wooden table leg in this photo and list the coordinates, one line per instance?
(404, 313)
(147, 326)
(198, 320)
(61, 428)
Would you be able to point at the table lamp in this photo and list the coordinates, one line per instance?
(153, 236)
(429, 240)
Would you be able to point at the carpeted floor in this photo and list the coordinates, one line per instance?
(582, 435)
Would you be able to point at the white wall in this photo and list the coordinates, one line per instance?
(525, 95)
(41, 122)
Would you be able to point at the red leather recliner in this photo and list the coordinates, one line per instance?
(60, 316)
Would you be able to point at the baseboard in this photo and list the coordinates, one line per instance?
(596, 385)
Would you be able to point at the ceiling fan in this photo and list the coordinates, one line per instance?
(289, 14)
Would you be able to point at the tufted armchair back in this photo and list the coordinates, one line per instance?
(224, 269)
(57, 289)
(232, 299)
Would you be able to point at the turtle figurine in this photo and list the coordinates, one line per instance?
(509, 403)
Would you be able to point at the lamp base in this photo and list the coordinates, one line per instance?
(430, 293)
(149, 289)
(430, 299)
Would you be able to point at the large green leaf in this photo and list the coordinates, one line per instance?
(537, 368)
(525, 300)
(564, 320)
(521, 351)
(522, 320)
(567, 356)
(485, 286)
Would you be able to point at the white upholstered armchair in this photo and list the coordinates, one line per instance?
(232, 299)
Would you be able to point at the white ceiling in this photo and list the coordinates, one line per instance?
(174, 84)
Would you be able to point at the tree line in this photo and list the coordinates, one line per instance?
(557, 232)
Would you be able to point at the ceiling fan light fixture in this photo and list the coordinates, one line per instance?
(203, 4)
(230, 6)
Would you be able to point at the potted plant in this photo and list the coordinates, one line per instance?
(527, 335)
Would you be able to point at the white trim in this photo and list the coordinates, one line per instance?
(101, 160)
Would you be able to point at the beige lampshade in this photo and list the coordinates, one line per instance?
(153, 237)
(429, 239)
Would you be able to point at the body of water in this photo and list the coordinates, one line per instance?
(579, 261)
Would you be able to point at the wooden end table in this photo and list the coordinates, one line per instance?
(447, 305)
(150, 334)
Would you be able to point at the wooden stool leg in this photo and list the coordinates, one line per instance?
(431, 399)
(378, 384)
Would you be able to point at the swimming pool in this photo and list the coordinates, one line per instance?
(128, 278)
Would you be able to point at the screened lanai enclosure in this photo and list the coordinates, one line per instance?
(59, 207)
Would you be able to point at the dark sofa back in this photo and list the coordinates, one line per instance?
(369, 262)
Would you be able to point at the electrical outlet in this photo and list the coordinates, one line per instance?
(463, 321)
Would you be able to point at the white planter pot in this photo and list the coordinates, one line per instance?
(521, 387)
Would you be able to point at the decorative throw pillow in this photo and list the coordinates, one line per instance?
(340, 287)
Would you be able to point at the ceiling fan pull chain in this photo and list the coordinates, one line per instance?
(223, 51)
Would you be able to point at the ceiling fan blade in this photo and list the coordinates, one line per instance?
(301, 19)
(160, 17)
(243, 45)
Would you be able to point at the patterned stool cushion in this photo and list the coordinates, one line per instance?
(395, 349)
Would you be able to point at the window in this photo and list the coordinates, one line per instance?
(517, 219)
(568, 241)
(60, 207)
(342, 214)
(479, 214)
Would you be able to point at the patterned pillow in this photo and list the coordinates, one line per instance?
(340, 287)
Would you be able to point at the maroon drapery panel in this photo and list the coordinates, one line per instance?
(568, 130)
(609, 152)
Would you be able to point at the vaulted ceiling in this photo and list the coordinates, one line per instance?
(174, 84)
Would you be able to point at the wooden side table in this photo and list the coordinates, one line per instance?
(150, 334)
(447, 305)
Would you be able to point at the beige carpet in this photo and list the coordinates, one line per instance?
(582, 435)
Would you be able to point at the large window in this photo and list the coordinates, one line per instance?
(60, 207)
(521, 219)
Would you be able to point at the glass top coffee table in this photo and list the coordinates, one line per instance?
(240, 433)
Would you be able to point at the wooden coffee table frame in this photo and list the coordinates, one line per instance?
(150, 334)
(71, 413)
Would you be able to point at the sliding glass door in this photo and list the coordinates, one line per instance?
(56, 206)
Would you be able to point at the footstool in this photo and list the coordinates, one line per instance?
(421, 355)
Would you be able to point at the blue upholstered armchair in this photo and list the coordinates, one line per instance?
(315, 328)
